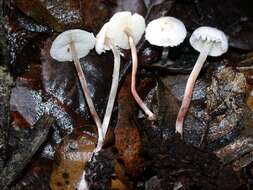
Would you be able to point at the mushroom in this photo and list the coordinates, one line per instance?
(120, 32)
(208, 41)
(166, 32)
(72, 45)
(103, 43)
(124, 30)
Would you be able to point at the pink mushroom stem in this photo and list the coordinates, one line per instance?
(189, 89)
(150, 114)
(87, 94)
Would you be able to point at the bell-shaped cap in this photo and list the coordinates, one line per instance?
(83, 41)
(122, 22)
(166, 32)
(205, 34)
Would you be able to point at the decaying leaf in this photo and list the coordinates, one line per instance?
(127, 135)
(70, 160)
(39, 13)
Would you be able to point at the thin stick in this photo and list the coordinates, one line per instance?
(188, 91)
(151, 115)
(86, 93)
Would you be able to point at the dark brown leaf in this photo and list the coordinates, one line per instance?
(127, 136)
(25, 151)
(39, 13)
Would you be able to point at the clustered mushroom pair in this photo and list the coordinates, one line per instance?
(123, 31)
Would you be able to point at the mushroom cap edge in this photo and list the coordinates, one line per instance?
(206, 34)
(84, 41)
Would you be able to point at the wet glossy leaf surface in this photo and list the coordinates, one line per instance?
(25, 150)
(70, 159)
(39, 13)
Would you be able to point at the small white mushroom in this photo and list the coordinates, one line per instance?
(103, 43)
(165, 32)
(82, 40)
(125, 30)
(72, 45)
(119, 32)
(208, 41)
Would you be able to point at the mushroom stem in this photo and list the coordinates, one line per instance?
(113, 92)
(151, 115)
(189, 87)
(165, 54)
(86, 93)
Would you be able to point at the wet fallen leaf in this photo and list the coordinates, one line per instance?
(26, 149)
(70, 160)
(225, 105)
(39, 13)
(127, 136)
(67, 12)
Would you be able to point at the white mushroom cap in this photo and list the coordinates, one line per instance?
(125, 21)
(207, 34)
(83, 41)
(166, 32)
(102, 43)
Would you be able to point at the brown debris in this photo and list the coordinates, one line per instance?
(70, 160)
(34, 9)
(127, 136)
(25, 150)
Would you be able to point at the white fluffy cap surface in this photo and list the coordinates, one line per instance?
(207, 34)
(165, 31)
(83, 41)
(122, 21)
(102, 43)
